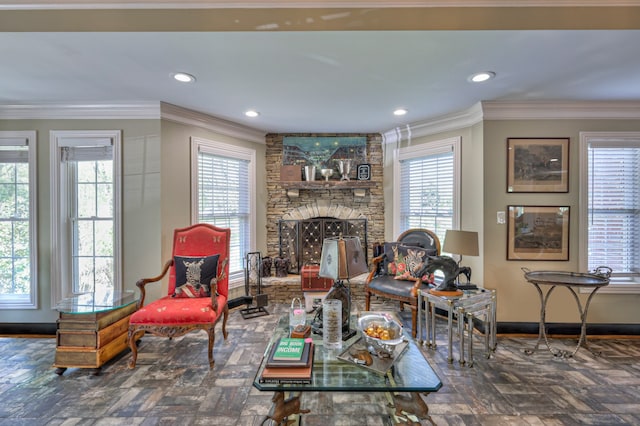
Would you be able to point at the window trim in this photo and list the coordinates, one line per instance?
(615, 285)
(232, 151)
(421, 150)
(60, 287)
(29, 138)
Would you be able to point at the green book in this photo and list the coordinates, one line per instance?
(289, 348)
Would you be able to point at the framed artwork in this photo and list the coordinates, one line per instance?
(538, 165)
(323, 151)
(538, 233)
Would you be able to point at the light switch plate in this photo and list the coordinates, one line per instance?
(501, 218)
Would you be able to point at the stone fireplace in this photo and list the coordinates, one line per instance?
(297, 224)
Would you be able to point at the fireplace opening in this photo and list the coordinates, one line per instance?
(300, 241)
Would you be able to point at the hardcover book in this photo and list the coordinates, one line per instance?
(288, 349)
(289, 375)
(280, 363)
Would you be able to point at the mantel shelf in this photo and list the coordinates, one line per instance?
(359, 187)
(331, 184)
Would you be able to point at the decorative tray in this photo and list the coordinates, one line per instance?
(568, 278)
(360, 354)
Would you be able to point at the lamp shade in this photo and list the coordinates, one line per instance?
(461, 242)
(342, 258)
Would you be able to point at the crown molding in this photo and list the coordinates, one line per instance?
(508, 110)
(444, 123)
(304, 4)
(116, 111)
(194, 118)
(561, 110)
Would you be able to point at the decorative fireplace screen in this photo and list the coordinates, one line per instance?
(301, 240)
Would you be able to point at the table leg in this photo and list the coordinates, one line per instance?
(432, 308)
(283, 408)
(411, 404)
(450, 329)
(461, 329)
(542, 333)
(582, 340)
(470, 338)
(420, 301)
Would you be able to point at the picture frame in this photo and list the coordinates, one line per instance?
(538, 233)
(364, 172)
(538, 165)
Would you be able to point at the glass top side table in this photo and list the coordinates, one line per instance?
(92, 329)
(478, 303)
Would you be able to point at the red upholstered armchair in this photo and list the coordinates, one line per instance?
(198, 289)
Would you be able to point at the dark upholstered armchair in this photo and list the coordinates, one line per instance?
(397, 274)
(198, 289)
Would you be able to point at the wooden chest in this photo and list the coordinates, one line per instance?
(311, 281)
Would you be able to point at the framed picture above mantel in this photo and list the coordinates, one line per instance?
(538, 165)
(324, 151)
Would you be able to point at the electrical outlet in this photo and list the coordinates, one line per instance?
(501, 218)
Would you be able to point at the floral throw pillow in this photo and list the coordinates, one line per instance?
(194, 275)
(407, 262)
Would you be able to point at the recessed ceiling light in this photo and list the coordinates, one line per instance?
(400, 111)
(183, 77)
(252, 113)
(482, 76)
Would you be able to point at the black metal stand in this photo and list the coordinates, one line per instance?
(253, 274)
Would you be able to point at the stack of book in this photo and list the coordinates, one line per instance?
(290, 360)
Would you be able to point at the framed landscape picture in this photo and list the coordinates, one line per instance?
(538, 165)
(538, 233)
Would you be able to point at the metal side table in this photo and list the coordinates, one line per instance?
(480, 303)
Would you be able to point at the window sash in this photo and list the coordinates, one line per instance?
(86, 212)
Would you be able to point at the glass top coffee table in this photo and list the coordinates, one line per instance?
(410, 373)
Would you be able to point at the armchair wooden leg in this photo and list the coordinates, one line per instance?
(367, 301)
(212, 339)
(225, 314)
(133, 346)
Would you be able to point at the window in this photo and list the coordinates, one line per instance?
(610, 203)
(85, 192)
(426, 187)
(18, 264)
(224, 189)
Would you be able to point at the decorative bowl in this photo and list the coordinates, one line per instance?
(326, 173)
(380, 330)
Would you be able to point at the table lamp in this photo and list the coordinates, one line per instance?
(461, 243)
(342, 259)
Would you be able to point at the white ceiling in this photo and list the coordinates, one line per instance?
(319, 81)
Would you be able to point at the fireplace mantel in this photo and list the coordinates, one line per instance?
(359, 187)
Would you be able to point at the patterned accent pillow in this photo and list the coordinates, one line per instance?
(194, 275)
(406, 262)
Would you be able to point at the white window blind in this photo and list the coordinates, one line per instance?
(223, 200)
(427, 192)
(614, 206)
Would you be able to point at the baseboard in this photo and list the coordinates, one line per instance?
(558, 329)
(568, 329)
(28, 329)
